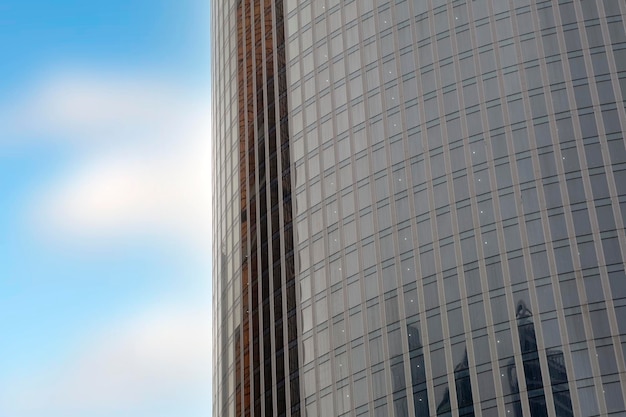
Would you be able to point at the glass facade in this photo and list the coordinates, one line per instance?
(449, 207)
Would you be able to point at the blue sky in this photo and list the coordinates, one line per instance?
(105, 208)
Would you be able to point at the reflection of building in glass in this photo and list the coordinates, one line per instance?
(398, 184)
(418, 372)
(558, 380)
(532, 371)
(463, 387)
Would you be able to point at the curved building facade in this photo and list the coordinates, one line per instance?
(419, 207)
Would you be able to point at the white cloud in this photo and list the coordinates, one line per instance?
(163, 192)
(159, 357)
(83, 105)
(144, 164)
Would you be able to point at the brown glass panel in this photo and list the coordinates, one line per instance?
(266, 229)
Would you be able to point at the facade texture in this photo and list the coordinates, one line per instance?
(419, 207)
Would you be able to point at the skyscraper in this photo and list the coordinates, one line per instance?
(419, 207)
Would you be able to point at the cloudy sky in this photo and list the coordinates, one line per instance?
(105, 208)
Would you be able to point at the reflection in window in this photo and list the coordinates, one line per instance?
(532, 372)
(418, 372)
(463, 386)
